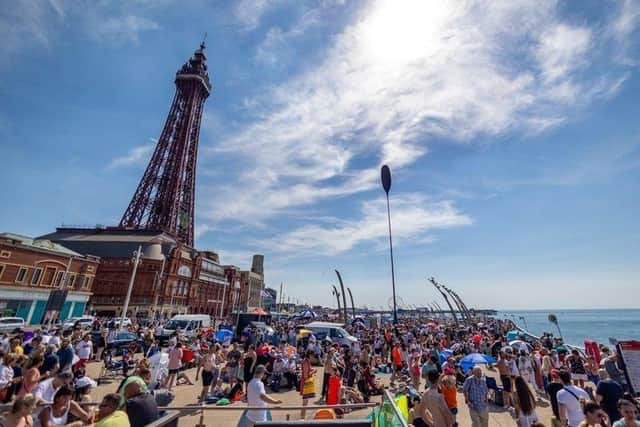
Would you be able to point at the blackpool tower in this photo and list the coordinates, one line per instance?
(165, 197)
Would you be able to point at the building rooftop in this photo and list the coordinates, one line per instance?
(39, 243)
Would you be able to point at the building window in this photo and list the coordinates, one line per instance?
(22, 273)
(58, 281)
(70, 280)
(87, 283)
(2, 266)
(5, 254)
(37, 275)
(184, 271)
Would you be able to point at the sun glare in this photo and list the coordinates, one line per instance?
(404, 31)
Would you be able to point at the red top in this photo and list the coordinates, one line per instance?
(333, 392)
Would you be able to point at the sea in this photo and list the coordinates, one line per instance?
(577, 325)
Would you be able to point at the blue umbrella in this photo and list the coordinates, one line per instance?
(470, 360)
(223, 334)
(308, 314)
(445, 354)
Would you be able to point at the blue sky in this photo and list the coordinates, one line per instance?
(511, 129)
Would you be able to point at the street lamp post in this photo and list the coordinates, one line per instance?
(136, 260)
(385, 177)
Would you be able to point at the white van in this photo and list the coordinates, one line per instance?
(334, 331)
(188, 324)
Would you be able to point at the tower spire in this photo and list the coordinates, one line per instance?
(165, 197)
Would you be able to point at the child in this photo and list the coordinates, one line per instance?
(449, 392)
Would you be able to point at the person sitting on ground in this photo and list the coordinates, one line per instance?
(57, 414)
(108, 413)
(21, 412)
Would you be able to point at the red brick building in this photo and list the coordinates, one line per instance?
(31, 268)
(171, 278)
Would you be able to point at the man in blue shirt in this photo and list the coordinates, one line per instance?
(65, 355)
(475, 395)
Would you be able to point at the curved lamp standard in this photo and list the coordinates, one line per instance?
(344, 295)
(446, 299)
(337, 294)
(353, 307)
(385, 177)
(554, 319)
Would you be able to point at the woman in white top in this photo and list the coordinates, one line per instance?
(6, 371)
(525, 404)
(57, 414)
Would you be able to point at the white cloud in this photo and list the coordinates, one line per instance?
(28, 24)
(136, 156)
(412, 216)
(250, 12)
(25, 24)
(278, 40)
(125, 28)
(561, 49)
(402, 73)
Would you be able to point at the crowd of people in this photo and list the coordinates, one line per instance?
(44, 380)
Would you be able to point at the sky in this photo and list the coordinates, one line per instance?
(511, 130)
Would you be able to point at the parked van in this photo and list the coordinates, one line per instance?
(334, 331)
(188, 324)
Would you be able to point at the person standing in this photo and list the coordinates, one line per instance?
(396, 358)
(434, 402)
(552, 390)
(258, 397)
(307, 381)
(249, 363)
(175, 363)
(505, 378)
(475, 396)
(526, 404)
(569, 401)
(608, 393)
(65, 355)
(208, 365)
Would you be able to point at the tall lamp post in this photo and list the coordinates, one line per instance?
(385, 177)
(136, 261)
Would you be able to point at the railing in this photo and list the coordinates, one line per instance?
(173, 413)
(390, 412)
(168, 419)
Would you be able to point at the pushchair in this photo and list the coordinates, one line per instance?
(113, 368)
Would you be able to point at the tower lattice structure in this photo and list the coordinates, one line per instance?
(165, 197)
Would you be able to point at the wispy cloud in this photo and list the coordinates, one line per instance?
(249, 12)
(402, 73)
(413, 216)
(137, 156)
(125, 28)
(27, 24)
(277, 40)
